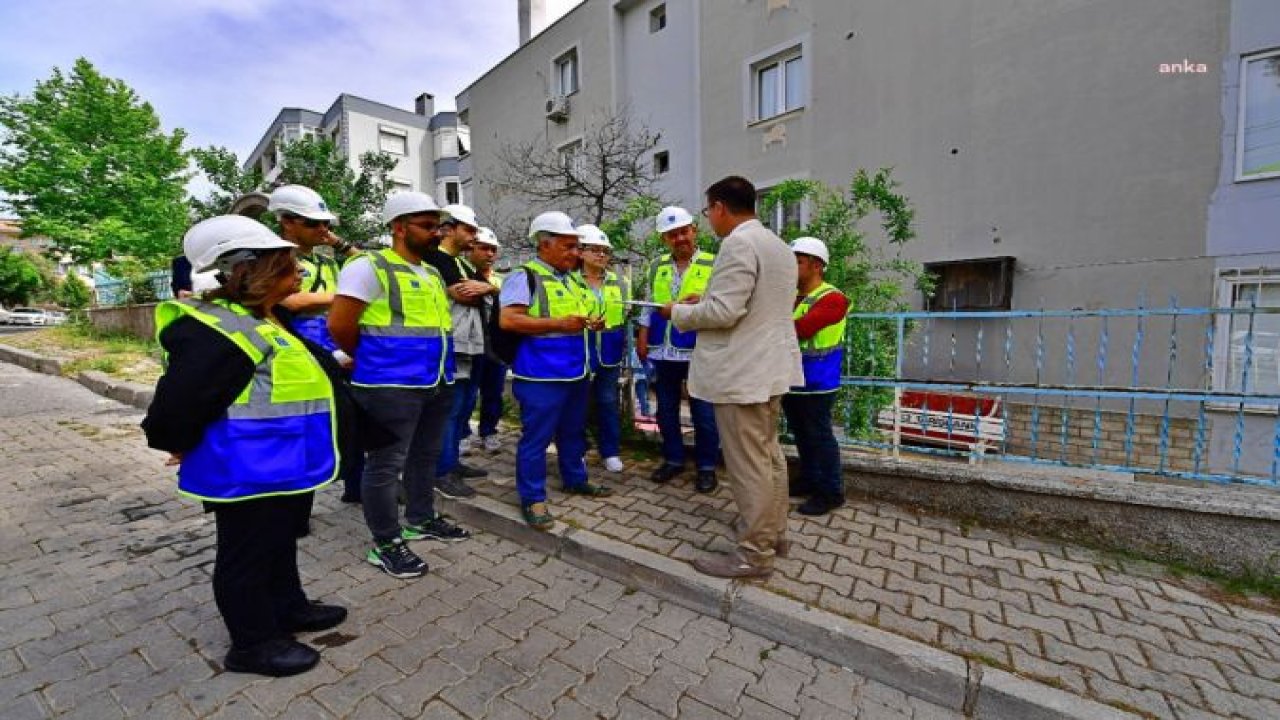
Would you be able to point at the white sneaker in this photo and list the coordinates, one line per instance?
(464, 445)
(613, 464)
(492, 443)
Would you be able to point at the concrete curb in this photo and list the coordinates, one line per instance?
(129, 393)
(30, 360)
(913, 667)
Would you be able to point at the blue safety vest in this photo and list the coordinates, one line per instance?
(662, 332)
(279, 436)
(405, 338)
(822, 354)
(553, 356)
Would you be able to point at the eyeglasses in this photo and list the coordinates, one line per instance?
(425, 227)
(311, 223)
(598, 250)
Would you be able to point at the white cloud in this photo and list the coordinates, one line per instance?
(221, 69)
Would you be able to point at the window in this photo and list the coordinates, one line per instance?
(778, 85)
(658, 18)
(982, 284)
(462, 145)
(571, 158)
(781, 216)
(1258, 141)
(566, 73)
(393, 140)
(661, 163)
(1252, 339)
(451, 196)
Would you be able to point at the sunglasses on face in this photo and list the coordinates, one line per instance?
(310, 223)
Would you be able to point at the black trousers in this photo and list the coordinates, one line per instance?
(255, 573)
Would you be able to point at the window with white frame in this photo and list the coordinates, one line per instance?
(1251, 337)
(571, 157)
(566, 73)
(778, 84)
(393, 140)
(1258, 140)
(780, 216)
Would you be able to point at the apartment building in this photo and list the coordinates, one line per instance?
(1060, 154)
(426, 144)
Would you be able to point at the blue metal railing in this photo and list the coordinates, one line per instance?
(1195, 395)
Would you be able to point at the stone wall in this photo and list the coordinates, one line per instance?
(136, 320)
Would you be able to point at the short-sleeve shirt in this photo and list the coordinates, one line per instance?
(515, 286)
(358, 279)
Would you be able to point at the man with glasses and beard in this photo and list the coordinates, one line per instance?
(392, 316)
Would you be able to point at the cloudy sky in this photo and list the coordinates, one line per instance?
(221, 69)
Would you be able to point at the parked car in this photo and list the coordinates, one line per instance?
(27, 316)
(55, 317)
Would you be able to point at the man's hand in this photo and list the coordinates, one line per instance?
(574, 323)
(471, 292)
(690, 299)
(174, 459)
(665, 310)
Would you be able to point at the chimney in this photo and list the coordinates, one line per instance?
(425, 105)
(532, 16)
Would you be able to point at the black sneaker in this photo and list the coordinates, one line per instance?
(454, 487)
(820, 504)
(467, 471)
(665, 472)
(437, 528)
(706, 482)
(397, 560)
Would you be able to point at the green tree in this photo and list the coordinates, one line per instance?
(20, 277)
(72, 293)
(85, 163)
(875, 276)
(222, 169)
(356, 198)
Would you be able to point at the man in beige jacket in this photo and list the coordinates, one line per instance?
(746, 359)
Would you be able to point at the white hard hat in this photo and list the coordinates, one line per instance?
(673, 217)
(487, 236)
(592, 235)
(811, 246)
(556, 223)
(299, 200)
(210, 239)
(409, 202)
(462, 214)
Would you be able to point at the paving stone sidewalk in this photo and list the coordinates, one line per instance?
(1124, 632)
(107, 610)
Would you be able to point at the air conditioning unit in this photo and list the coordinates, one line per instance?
(558, 108)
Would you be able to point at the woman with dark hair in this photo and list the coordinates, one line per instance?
(247, 414)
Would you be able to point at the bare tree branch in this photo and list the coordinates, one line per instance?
(604, 170)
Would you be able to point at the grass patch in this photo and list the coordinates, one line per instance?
(81, 346)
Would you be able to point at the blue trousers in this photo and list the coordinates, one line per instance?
(550, 411)
(464, 397)
(608, 422)
(490, 378)
(706, 439)
(809, 418)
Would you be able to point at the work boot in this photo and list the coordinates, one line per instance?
(314, 617)
(467, 471)
(820, 505)
(454, 487)
(275, 658)
(706, 482)
(665, 472)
